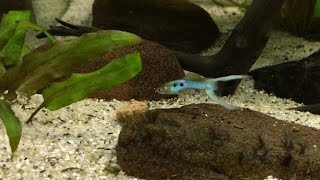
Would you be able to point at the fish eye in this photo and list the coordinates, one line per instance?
(181, 84)
(175, 85)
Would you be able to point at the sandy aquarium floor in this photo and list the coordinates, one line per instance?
(78, 142)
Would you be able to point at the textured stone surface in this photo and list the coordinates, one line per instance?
(207, 141)
(159, 66)
(177, 24)
(313, 108)
(298, 80)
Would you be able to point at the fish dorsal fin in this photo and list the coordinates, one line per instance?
(194, 77)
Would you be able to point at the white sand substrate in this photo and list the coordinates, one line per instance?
(78, 141)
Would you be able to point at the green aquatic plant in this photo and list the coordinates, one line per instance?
(13, 29)
(80, 86)
(316, 12)
(231, 3)
(39, 70)
(12, 124)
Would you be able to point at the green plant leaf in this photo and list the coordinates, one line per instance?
(247, 3)
(2, 69)
(9, 23)
(316, 12)
(13, 49)
(40, 68)
(12, 124)
(80, 86)
(25, 25)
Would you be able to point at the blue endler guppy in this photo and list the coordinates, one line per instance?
(196, 82)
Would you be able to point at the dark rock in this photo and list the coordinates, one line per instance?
(159, 67)
(207, 141)
(6, 6)
(298, 80)
(313, 108)
(177, 24)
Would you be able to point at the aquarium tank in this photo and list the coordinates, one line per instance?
(162, 89)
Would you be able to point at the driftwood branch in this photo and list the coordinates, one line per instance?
(68, 29)
(242, 48)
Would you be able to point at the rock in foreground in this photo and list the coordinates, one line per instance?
(207, 141)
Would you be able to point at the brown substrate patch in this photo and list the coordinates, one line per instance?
(207, 141)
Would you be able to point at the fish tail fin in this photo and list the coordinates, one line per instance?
(220, 101)
(232, 77)
(218, 84)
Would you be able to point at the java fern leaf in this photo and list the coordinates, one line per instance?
(12, 36)
(80, 86)
(11, 123)
(9, 23)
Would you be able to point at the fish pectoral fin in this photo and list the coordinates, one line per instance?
(220, 101)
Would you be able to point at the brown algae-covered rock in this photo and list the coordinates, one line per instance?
(207, 141)
(159, 65)
(176, 24)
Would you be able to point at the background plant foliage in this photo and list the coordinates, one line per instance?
(28, 72)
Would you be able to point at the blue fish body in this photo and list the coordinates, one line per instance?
(209, 85)
(176, 86)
